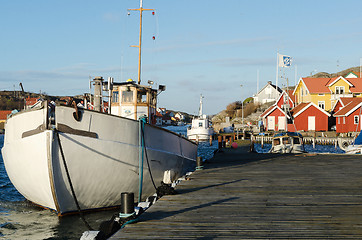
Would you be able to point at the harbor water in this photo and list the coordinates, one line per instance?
(20, 219)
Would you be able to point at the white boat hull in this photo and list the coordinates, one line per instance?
(199, 134)
(100, 151)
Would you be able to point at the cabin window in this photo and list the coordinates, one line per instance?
(127, 96)
(356, 119)
(339, 89)
(200, 124)
(286, 140)
(115, 96)
(321, 104)
(344, 120)
(296, 141)
(276, 141)
(142, 96)
(320, 94)
(339, 121)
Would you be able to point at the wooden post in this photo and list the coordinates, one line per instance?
(219, 141)
(262, 141)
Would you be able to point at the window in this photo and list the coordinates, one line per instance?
(356, 119)
(200, 124)
(339, 89)
(115, 96)
(286, 140)
(320, 94)
(339, 121)
(141, 96)
(321, 104)
(127, 96)
(296, 141)
(344, 120)
(276, 141)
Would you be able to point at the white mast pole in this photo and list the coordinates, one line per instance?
(276, 80)
(295, 76)
(257, 81)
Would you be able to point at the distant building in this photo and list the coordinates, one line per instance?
(353, 74)
(348, 117)
(3, 117)
(269, 93)
(158, 119)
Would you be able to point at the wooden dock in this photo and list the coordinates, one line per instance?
(241, 195)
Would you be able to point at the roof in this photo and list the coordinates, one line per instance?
(317, 85)
(31, 101)
(4, 114)
(349, 108)
(291, 96)
(304, 106)
(343, 100)
(330, 83)
(271, 109)
(357, 85)
(357, 74)
(269, 83)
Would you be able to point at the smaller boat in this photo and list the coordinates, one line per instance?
(354, 148)
(287, 142)
(200, 129)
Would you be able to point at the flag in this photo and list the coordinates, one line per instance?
(284, 61)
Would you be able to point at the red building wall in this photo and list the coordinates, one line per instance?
(337, 107)
(276, 113)
(321, 119)
(348, 125)
(280, 103)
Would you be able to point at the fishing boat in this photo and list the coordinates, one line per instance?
(71, 159)
(200, 129)
(287, 142)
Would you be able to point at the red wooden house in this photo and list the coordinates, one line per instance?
(275, 118)
(310, 117)
(348, 117)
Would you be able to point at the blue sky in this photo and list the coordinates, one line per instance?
(201, 47)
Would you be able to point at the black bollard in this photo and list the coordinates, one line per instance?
(127, 203)
(199, 163)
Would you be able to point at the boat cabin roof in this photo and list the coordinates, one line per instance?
(288, 134)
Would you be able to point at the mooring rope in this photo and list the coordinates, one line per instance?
(148, 163)
(70, 183)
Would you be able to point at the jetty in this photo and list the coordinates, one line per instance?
(242, 195)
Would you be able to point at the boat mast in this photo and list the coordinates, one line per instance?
(141, 9)
(200, 108)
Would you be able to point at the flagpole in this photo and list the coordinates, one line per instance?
(276, 81)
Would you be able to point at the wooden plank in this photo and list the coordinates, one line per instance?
(241, 195)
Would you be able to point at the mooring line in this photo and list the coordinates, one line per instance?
(70, 183)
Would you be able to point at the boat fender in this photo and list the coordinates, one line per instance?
(77, 114)
(92, 235)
